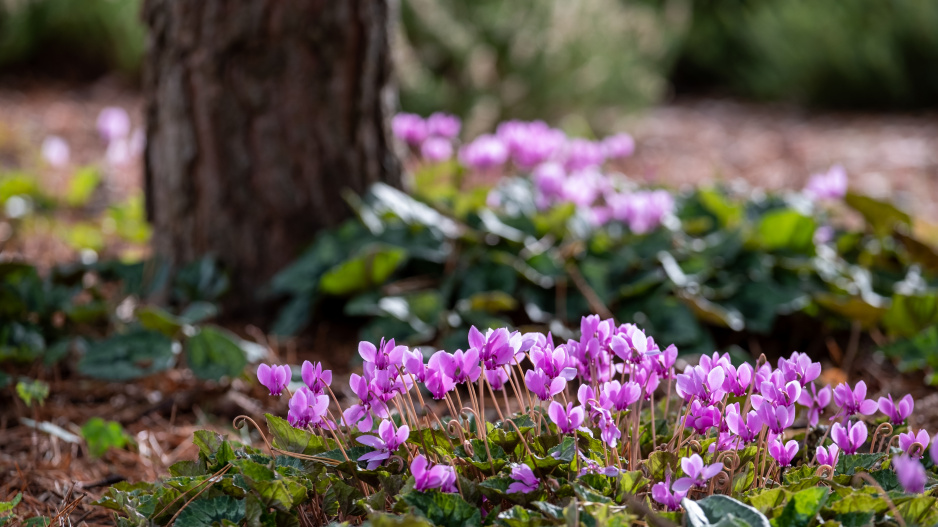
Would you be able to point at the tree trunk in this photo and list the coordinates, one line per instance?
(259, 114)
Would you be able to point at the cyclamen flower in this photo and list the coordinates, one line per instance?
(307, 408)
(827, 456)
(662, 493)
(549, 178)
(934, 449)
(461, 366)
(553, 362)
(113, 123)
(800, 367)
(776, 418)
(852, 402)
(831, 185)
(815, 401)
(543, 386)
(567, 419)
(702, 418)
(737, 379)
(439, 384)
(315, 377)
(524, 480)
(55, 151)
(497, 377)
(275, 378)
(386, 355)
(618, 146)
(897, 413)
(910, 473)
(619, 396)
(725, 441)
(909, 439)
(643, 211)
(494, 348)
(436, 149)
(696, 382)
(426, 478)
(486, 151)
(697, 474)
(583, 153)
(370, 405)
(413, 364)
(648, 380)
(777, 392)
(851, 437)
(663, 363)
(783, 454)
(531, 143)
(746, 427)
(385, 443)
(409, 127)
(443, 125)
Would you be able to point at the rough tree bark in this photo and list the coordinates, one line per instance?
(259, 114)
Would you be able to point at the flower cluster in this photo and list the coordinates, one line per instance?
(600, 385)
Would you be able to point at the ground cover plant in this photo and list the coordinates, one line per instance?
(530, 227)
(602, 429)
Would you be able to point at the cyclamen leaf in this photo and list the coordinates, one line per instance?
(298, 441)
(717, 508)
(444, 509)
(803, 507)
(208, 511)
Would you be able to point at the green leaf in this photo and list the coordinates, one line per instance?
(881, 216)
(31, 391)
(859, 502)
(729, 214)
(158, 319)
(373, 266)
(658, 462)
(444, 509)
(909, 315)
(214, 353)
(397, 520)
(715, 509)
(286, 437)
(803, 508)
(920, 510)
(198, 311)
(274, 490)
(102, 435)
(81, 186)
(128, 356)
(210, 511)
(786, 229)
(9, 505)
(849, 464)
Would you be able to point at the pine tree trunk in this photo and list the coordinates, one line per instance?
(259, 114)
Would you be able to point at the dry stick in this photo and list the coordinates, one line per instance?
(338, 406)
(501, 416)
(484, 441)
(526, 392)
(475, 406)
(505, 397)
(481, 399)
(654, 442)
(595, 303)
(852, 347)
(667, 400)
(635, 434)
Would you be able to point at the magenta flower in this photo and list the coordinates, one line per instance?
(737, 380)
(524, 480)
(55, 151)
(852, 402)
(897, 413)
(385, 356)
(827, 456)
(485, 151)
(725, 441)
(567, 419)
(438, 383)
(777, 418)
(663, 363)
(632, 345)
(777, 392)
(436, 149)
(113, 123)
(662, 493)
(410, 128)
(549, 178)
(746, 427)
(696, 473)
(618, 146)
(315, 377)
(908, 439)
(697, 382)
(275, 378)
(619, 396)
(494, 348)
(498, 377)
(583, 153)
(851, 437)
(647, 379)
(543, 386)
(831, 185)
(815, 401)
(369, 406)
(554, 362)
(426, 478)
(307, 408)
(702, 418)
(644, 210)
(934, 449)
(385, 443)
(443, 125)
(783, 454)
(461, 367)
(800, 367)
(531, 143)
(413, 364)
(910, 473)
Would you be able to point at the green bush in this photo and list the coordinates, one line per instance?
(98, 34)
(862, 53)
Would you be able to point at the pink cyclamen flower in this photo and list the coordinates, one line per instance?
(486, 151)
(697, 474)
(55, 151)
(831, 185)
(783, 453)
(567, 419)
(697, 382)
(816, 401)
(549, 179)
(746, 427)
(618, 146)
(443, 125)
(619, 396)
(934, 449)
(316, 377)
(436, 149)
(494, 348)
(413, 364)
(442, 477)
(307, 408)
(908, 439)
(800, 367)
(737, 380)
(498, 377)
(113, 123)
(851, 437)
(410, 128)
(386, 355)
(852, 402)
(662, 493)
(827, 456)
(461, 366)
(776, 418)
(897, 413)
(910, 473)
(583, 153)
(663, 363)
(385, 443)
(543, 386)
(438, 383)
(702, 418)
(275, 378)
(524, 480)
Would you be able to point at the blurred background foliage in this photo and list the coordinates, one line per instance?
(488, 60)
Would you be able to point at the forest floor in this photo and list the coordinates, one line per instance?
(684, 142)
